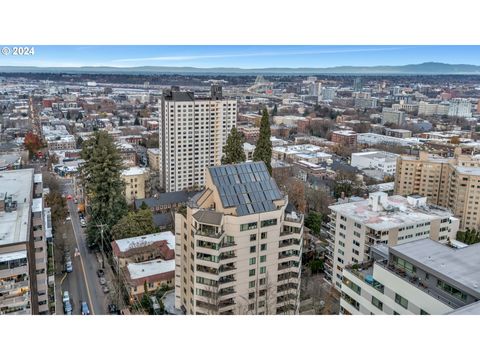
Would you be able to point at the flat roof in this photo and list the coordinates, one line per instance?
(37, 205)
(144, 240)
(150, 268)
(378, 155)
(460, 265)
(468, 170)
(471, 309)
(134, 171)
(401, 213)
(13, 225)
(13, 255)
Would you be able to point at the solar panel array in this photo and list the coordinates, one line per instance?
(246, 186)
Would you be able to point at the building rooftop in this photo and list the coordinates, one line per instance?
(248, 187)
(460, 266)
(13, 255)
(388, 156)
(208, 217)
(471, 309)
(468, 170)
(134, 171)
(145, 240)
(13, 225)
(138, 271)
(175, 197)
(393, 211)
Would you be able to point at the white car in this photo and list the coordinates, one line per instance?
(66, 296)
(68, 218)
(83, 223)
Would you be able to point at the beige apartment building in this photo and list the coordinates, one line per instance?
(192, 133)
(449, 182)
(238, 246)
(356, 226)
(154, 159)
(23, 248)
(136, 181)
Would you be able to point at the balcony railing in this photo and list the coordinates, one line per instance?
(225, 303)
(288, 242)
(226, 291)
(211, 234)
(227, 267)
(226, 256)
(226, 279)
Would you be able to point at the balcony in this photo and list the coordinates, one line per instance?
(226, 279)
(227, 255)
(287, 254)
(227, 267)
(227, 244)
(225, 303)
(288, 242)
(226, 291)
(296, 219)
(207, 270)
(209, 233)
(364, 272)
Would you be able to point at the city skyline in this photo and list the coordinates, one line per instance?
(243, 57)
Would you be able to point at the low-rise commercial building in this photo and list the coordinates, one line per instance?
(383, 161)
(136, 183)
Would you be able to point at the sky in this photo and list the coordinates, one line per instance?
(246, 57)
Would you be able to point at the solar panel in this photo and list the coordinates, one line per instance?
(247, 186)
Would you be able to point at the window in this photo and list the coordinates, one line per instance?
(401, 263)
(251, 272)
(263, 247)
(251, 295)
(451, 290)
(251, 306)
(253, 237)
(377, 303)
(251, 284)
(263, 258)
(263, 281)
(249, 226)
(253, 249)
(352, 285)
(401, 301)
(269, 222)
(252, 261)
(263, 269)
(423, 312)
(263, 235)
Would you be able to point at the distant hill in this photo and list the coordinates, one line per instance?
(428, 68)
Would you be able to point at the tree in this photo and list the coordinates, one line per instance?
(134, 224)
(137, 121)
(69, 116)
(32, 143)
(319, 200)
(233, 150)
(314, 222)
(263, 149)
(58, 206)
(274, 110)
(100, 176)
(316, 266)
(120, 122)
(79, 116)
(469, 236)
(295, 189)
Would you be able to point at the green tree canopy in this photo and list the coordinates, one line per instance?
(263, 149)
(100, 176)
(233, 150)
(135, 223)
(314, 222)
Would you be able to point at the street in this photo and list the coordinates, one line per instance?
(82, 283)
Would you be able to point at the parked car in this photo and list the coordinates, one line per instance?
(83, 223)
(67, 308)
(105, 289)
(66, 296)
(85, 310)
(69, 197)
(103, 281)
(68, 266)
(68, 218)
(112, 309)
(100, 273)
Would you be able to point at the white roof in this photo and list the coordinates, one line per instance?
(145, 240)
(149, 268)
(13, 255)
(248, 146)
(37, 178)
(13, 225)
(134, 171)
(37, 205)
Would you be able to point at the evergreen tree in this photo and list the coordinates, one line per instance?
(69, 116)
(135, 224)
(274, 110)
(137, 121)
(120, 122)
(263, 149)
(233, 150)
(79, 142)
(100, 176)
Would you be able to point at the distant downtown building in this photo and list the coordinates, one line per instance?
(449, 182)
(422, 277)
(238, 246)
(381, 219)
(192, 132)
(23, 247)
(460, 108)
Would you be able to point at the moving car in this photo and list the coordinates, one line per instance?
(68, 218)
(85, 310)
